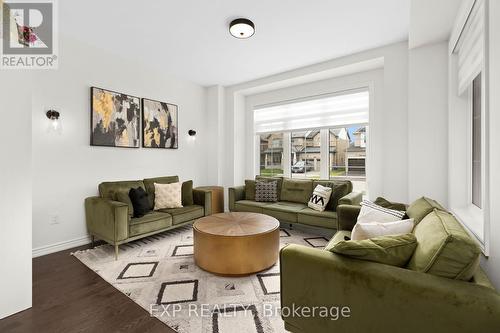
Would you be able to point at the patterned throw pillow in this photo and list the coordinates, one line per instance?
(371, 212)
(320, 197)
(168, 195)
(266, 191)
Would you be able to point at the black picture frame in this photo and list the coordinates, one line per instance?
(100, 142)
(173, 132)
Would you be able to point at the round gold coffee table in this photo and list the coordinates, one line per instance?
(236, 243)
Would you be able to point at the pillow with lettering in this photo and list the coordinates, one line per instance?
(320, 197)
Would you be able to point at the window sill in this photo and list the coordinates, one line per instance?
(472, 219)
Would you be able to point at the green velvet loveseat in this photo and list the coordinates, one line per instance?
(293, 195)
(376, 297)
(111, 220)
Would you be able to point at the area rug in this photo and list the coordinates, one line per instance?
(160, 275)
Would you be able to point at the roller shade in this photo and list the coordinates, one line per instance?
(470, 47)
(338, 110)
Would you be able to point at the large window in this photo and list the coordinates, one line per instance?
(271, 154)
(317, 138)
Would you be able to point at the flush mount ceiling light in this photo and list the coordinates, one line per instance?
(242, 28)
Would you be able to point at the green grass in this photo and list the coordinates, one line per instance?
(337, 172)
(271, 172)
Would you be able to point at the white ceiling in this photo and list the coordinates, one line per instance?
(431, 21)
(190, 38)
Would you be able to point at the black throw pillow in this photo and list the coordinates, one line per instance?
(140, 201)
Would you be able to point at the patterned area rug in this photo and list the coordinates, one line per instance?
(160, 275)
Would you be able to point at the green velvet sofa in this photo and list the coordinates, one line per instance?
(111, 220)
(293, 195)
(380, 298)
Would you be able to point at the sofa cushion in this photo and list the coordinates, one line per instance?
(444, 248)
(325, 219)
(250, 206)
(150, 222)
(393, 250)
(339, 188)
(279, 183)
(250, 189)
(296, 190)
(421, 207)
(108, 190)
(341, 235)
(149, 184)
(187, 193)
(184, 214)
(284, 211)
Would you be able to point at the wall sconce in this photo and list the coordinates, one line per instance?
(192, 133)
(55, 125)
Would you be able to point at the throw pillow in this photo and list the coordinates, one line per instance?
(371, 212)
(320, 197)
(365, 230)
(124, 197)
(278, 179)
(168, 196)
(266, 191)
(421, 207)
(393, 250)
(340, 188)
(444, 248)
(140, 201)
(390, 204)
(187, 193)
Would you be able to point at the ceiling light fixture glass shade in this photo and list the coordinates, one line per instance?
(242, 28)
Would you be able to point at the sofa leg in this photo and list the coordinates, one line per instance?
(92, 240)
(116, 252)
(291, 226)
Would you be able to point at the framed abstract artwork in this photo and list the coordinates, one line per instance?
(115, 119)
(159, 124)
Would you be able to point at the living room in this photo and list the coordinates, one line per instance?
(223, 166)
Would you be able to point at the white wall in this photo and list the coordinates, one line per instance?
(15, 193)
(392, 178)
(66, 169)
(492, 264)
(428, 122)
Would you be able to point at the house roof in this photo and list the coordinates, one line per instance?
(353, 148)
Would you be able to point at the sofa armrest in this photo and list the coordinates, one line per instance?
(203, 198)
(380, 298)
(107, 219)
(347, 215)
(235, 194)
(353, 198)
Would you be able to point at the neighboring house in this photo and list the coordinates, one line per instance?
(271, 151)
(355, 162)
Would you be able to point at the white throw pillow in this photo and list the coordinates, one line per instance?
(371, 212)
(320, 198)
(168, 195)
(365, 230)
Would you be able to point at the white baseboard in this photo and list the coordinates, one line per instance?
(48, 249)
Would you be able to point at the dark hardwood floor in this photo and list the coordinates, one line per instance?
(69, 297)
